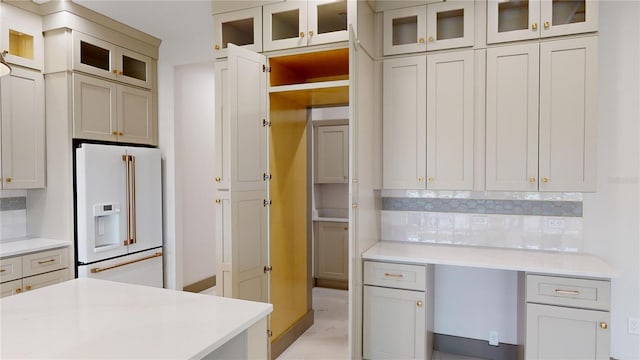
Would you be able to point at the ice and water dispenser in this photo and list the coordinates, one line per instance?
(107, 225)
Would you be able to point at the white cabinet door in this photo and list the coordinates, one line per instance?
(568, 17)
(512, 118)
(327, 21)
(224, 248)
(47, 279)
(222, 131)
(512, 20)
(94, 108)
(135, 115)
(450, 124)
(241, 28)
(450, 24)
(10, 288)
(568, 113)
(23, 127)
(21, 37)
(555, 332)
(332, 154)
(404, 123)
(94, 56)
(134, 68)
(247, 114)
(332, 247)
(405, 30)
(394, 323)
(285, 25)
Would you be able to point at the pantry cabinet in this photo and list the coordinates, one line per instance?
(21, 41)
(241, 28)
(332, 154)
(102, 58)
(292, 24)
(521, 20)
(545, 144)
(332, 251)
(105, 110)
(404, 132)
(23, 129)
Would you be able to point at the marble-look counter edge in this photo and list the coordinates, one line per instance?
(331, 219)
(541, 262)
(25, 246)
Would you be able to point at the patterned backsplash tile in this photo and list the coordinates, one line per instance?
(13, 203)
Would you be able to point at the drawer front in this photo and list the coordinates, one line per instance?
(582, 293)
(10, 288)
(400, 276)
(10, 269)
(42, 280)
(41, 262)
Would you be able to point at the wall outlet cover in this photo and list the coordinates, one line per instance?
(633, 326)
(493, 338)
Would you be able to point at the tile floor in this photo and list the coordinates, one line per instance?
(327, 338)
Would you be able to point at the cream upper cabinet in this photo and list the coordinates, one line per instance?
(568, 121)
(450, 120)
(512, 118)
(513, 20)
(450, 24)
(549, 150)
(104, 110)
(101, 58)
(23, 129)
(299, 23)
(222, 166)
(332, 154)
(21, 40)
(241, 28)
(405, 30)
(404, 121)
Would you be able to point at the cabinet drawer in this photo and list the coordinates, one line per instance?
(10, 288)
(401, 276)
(583, 293)
(45, 261)
(10, 269)
(42, 280)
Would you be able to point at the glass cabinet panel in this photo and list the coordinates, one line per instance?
(238, 32)
(285, 25)
(513, 15)
(405, 30)
(450, 24)
(332, 17)
(134, 68)
(241, 28)
(568, 12)
(512, 20)
(95, 56)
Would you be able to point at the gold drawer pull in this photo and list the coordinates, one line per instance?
(393, 275)
(18, 291)
(567, 292)
(7, 179)
(28, 287)
(3, 270)
(419, 303)
(604, 325)
(46, 261)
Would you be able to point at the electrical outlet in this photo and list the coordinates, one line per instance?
(493, 338)
(633, 326)
(555, 223)
(480, 220)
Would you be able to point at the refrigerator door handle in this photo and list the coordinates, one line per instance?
(134, 207)
(127, 159)
(99, 270)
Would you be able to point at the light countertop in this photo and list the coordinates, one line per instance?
(90, 318)
(544, 262)
(331, 219)
(25, 246)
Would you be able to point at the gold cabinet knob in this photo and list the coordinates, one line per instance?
(217, 47)
(431, 39)
(354, 205)
(421, 40)
(546, 25)
(120, 73)
(301, 34)
(419, 304)
(604, 325)
(310, 33)
(114, 71)
(18, 291)
(218, 201)
(534, 26)
(28, 287)
(217, 179)
(121, 133)
(545, 180)
(115, 133)
(532, 179)
(7, 179)
(430, 179)
(346, 229)
(420, 179)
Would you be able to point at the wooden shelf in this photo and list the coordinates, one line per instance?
(315, 94)
(324, 66)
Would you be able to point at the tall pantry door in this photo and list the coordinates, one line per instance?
(248, 189)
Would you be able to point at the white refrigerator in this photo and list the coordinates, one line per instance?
(119, 214)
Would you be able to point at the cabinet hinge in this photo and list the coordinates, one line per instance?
(266, 68)
(266, 123)
(266, 202)
(266, 176)
(269, 333)
(267, 269)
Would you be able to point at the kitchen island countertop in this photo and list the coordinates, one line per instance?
(90, 318)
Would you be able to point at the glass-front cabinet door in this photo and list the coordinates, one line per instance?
(21, 41)
(285, 25)
(405, 30)
(327, 21)
(241, 28)
(512, 20)
(450, 24)
(94, 56)
(134, 68)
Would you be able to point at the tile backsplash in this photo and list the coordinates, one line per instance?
(540, 221)
(13, 214)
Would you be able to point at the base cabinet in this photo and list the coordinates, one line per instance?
(33, 271)
(332, 251)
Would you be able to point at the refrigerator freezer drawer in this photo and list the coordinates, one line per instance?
(143, 268)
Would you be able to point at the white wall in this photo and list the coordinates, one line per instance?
(612, 215)
(194, 129)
